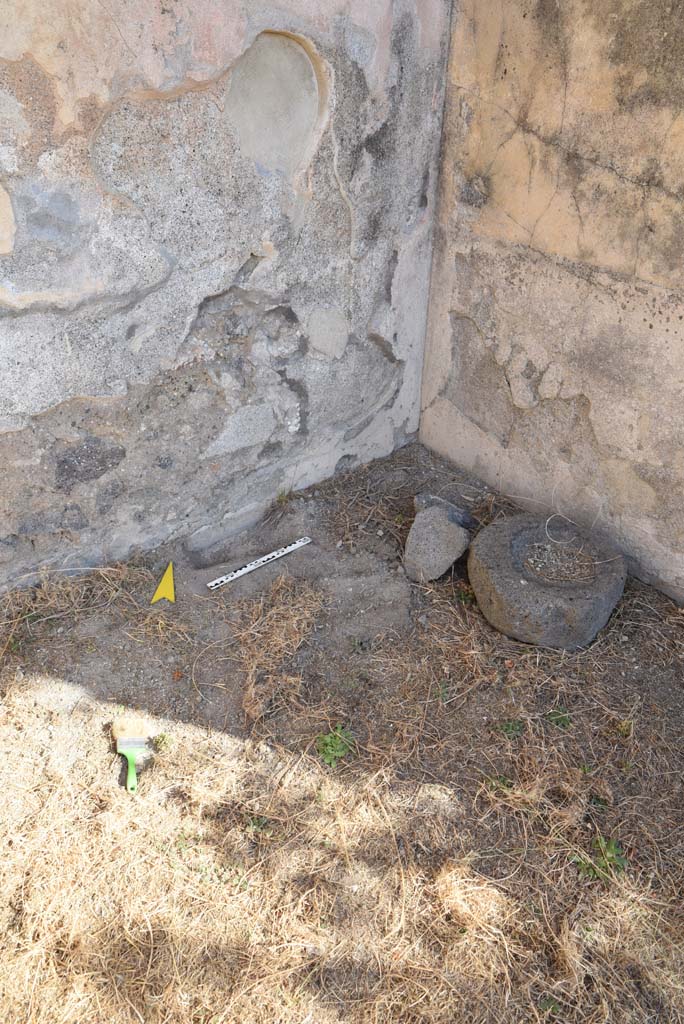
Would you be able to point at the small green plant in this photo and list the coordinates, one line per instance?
(162, 742)
(499, 782)
(549, 1005)
(587, 769)
(513, 728)
(334, 745)
(608, 859)
(282, 498)
(465, 594)
(185, 841)
(625, 728)
(258, 825)
(235, 875)
(598, 801)
(560, 718)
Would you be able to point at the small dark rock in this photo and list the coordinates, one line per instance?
(108, 493)
(87, 460)
(456, 514)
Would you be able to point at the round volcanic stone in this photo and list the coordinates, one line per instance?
(540, 580)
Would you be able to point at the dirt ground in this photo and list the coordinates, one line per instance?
(364, 805)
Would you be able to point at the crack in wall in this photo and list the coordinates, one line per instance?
(555, 141)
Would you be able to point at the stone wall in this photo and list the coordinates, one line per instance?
(214, 259)
(215, 235)
(555, 360)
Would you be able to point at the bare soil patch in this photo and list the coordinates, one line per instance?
(365, 805)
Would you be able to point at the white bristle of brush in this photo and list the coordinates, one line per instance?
(130, 728)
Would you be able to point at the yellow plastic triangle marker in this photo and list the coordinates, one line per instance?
(166, 588)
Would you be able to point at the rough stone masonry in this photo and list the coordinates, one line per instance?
(214, 259)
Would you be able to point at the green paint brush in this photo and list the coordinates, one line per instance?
(131, 735)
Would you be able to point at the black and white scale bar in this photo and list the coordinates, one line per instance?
(257, 563)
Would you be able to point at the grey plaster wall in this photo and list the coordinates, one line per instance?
(214, 255)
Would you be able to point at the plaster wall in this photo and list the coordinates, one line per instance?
(215, 241)
(555, 348)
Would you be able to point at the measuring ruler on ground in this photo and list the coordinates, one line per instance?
(257, 563)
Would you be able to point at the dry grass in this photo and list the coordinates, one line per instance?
(247, 883)
(357, 512)
(359, 506)
(34, 611)
(429, 879)
(267, 633)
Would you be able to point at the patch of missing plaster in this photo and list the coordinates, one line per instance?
(300, 391)
(386, 401)
(475, 191)
(476, 384)
(239, 322)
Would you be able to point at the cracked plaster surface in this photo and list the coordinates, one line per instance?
(214, 256)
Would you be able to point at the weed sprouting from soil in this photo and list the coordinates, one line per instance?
(335, 745)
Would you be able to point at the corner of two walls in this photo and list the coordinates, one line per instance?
(215, 244)
(555, 348)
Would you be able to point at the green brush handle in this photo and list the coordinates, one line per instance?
(131, 777)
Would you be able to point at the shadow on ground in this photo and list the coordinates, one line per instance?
(503, 840)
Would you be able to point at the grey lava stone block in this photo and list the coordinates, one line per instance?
(434, 543)
(560, 601)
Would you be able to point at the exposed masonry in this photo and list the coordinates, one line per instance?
(215, 291)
